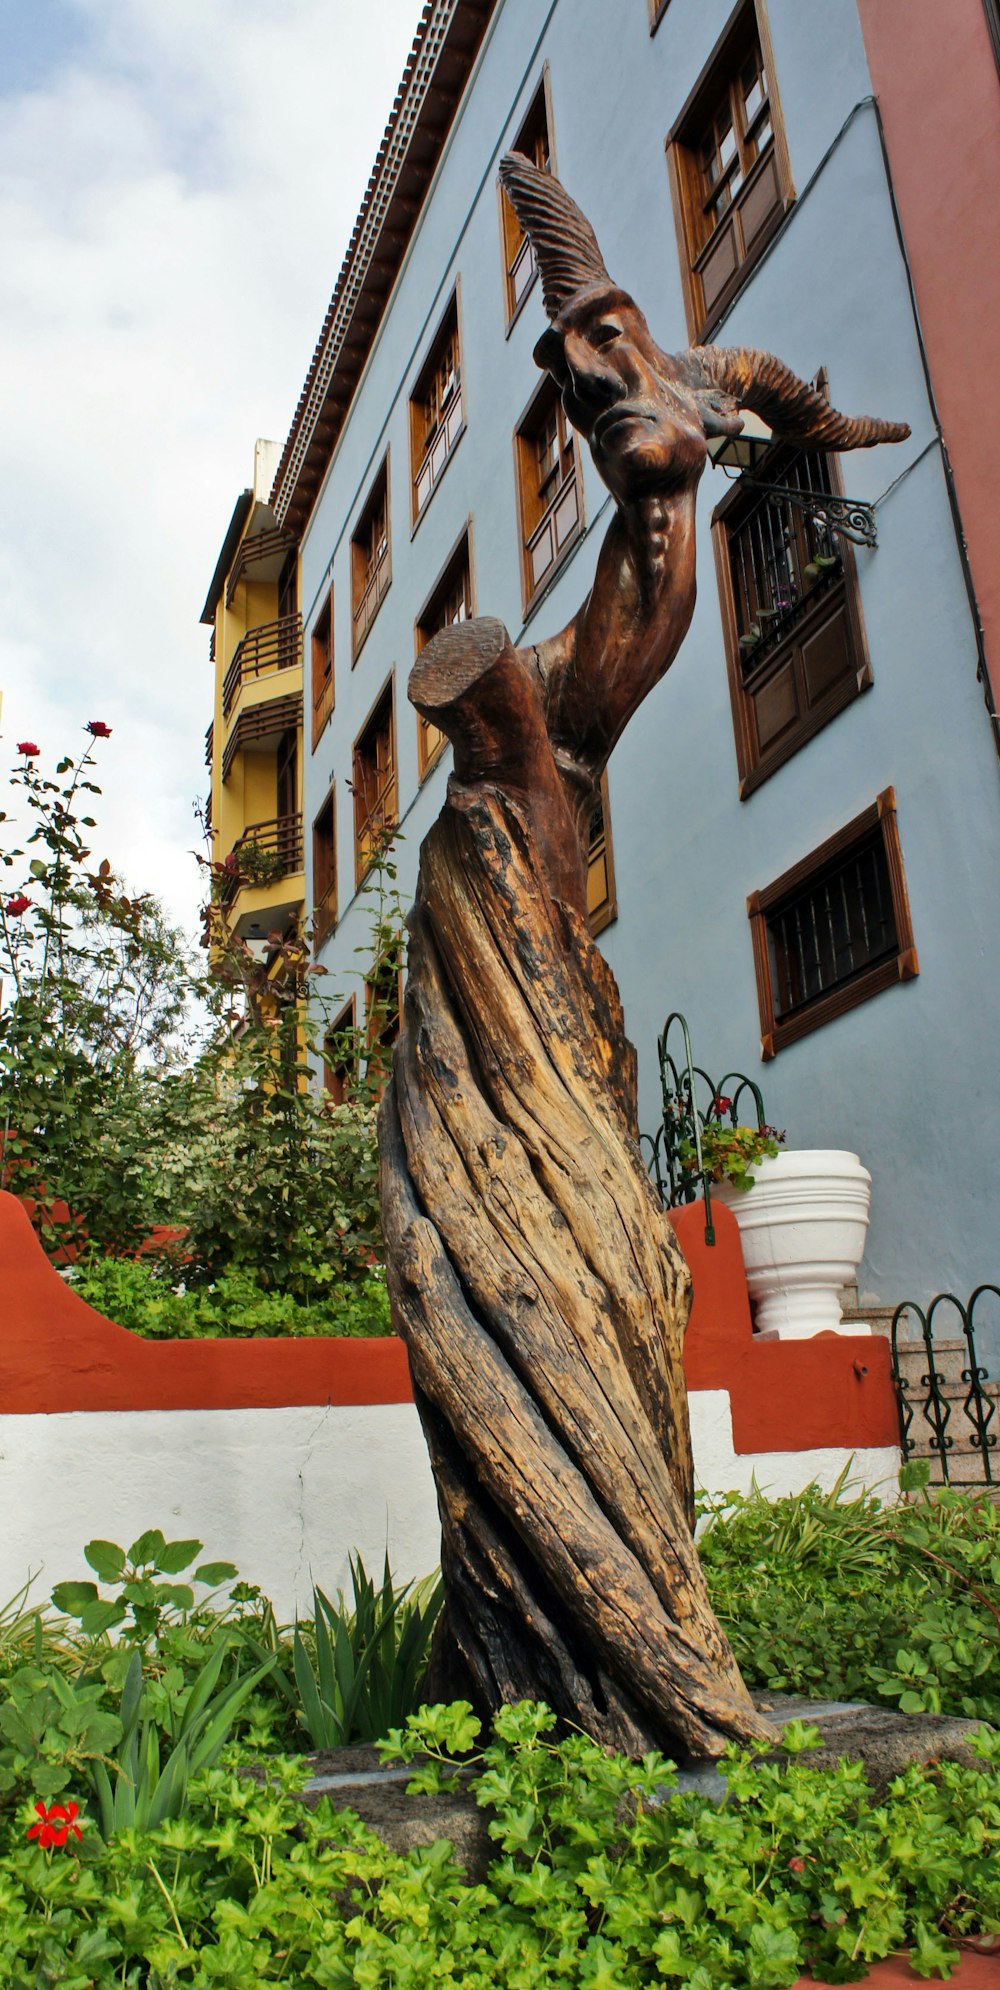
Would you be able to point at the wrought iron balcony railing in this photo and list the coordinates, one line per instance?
(265, 852)
(274, 646)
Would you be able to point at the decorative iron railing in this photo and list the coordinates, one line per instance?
(947, 1400)
(265, 852)
(210, 744)
(274, 646)
(679, 1177)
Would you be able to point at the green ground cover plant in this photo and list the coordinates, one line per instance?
(139, 1294)
(136, 1850)
(847, 1598)
(593, 1883)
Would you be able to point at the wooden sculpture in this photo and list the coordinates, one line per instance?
(533, 1274)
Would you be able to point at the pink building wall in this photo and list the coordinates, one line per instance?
(935, 75)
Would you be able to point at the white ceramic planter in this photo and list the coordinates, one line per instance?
(802, 1228)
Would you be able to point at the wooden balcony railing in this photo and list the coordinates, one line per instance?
(255, 552)
(265, 852)
(558, 524)
(372, 595)
(274, 646)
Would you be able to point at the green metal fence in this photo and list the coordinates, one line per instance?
(948, 1402)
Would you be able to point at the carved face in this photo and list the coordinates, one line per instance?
(645, 420)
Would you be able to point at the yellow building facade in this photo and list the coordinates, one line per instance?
(254, 744)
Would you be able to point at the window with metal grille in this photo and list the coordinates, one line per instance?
(535, 142)
(795, 649)
(729, 169)
(437, 411)
(550, 488)
(449, 602)
(602, 903)
(834, 930)
(374, 784)
(371, 567)
(322, 669)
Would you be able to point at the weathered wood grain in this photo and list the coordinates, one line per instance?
(532, 1272)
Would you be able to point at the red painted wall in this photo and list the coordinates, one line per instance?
(935, 76)
(57, 1354)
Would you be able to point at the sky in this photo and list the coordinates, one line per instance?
(178, 184)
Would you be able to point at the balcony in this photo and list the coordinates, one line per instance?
(263, 556)
(265, 853)
(274, 646)
(264, 885)
(258, 728)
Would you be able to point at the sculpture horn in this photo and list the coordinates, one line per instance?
(563, 240)
(797, 412)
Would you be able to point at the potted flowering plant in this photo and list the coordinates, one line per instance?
(728, 1152)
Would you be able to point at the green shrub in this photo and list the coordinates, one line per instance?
(140, 1295)
(844, 1598)
(592, 1884)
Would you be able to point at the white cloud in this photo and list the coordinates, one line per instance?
(176, 194)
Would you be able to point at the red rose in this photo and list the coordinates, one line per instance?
(28, 748)
(55, 1823)
(16, 905)
(98, 729)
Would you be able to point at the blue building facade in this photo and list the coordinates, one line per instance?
(823, 710)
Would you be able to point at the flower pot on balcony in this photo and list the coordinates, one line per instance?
(802, 1228)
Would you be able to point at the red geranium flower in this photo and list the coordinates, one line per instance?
(16, 905)
(28, 748)
(796, 1865)
(721, 1105)
(55, 1823)
(98, 729)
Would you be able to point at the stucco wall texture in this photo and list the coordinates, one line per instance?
(289, 1494)
(832, 291)
(940, 105)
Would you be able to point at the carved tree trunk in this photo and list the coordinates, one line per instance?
(533, 1275)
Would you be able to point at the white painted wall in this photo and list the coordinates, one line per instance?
(287, 1494)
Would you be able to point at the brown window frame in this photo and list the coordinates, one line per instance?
(535, 139)
(381, 804)
(324, 869)
(435, 433)
(798, 660)
(337, 1077)
(766, 176)
(322, 670)
(538, 506)
(600, 850)
(371, 575)
(876, 823)
(456, 572)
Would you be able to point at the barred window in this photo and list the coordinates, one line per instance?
(795, 649)
(834, 930)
